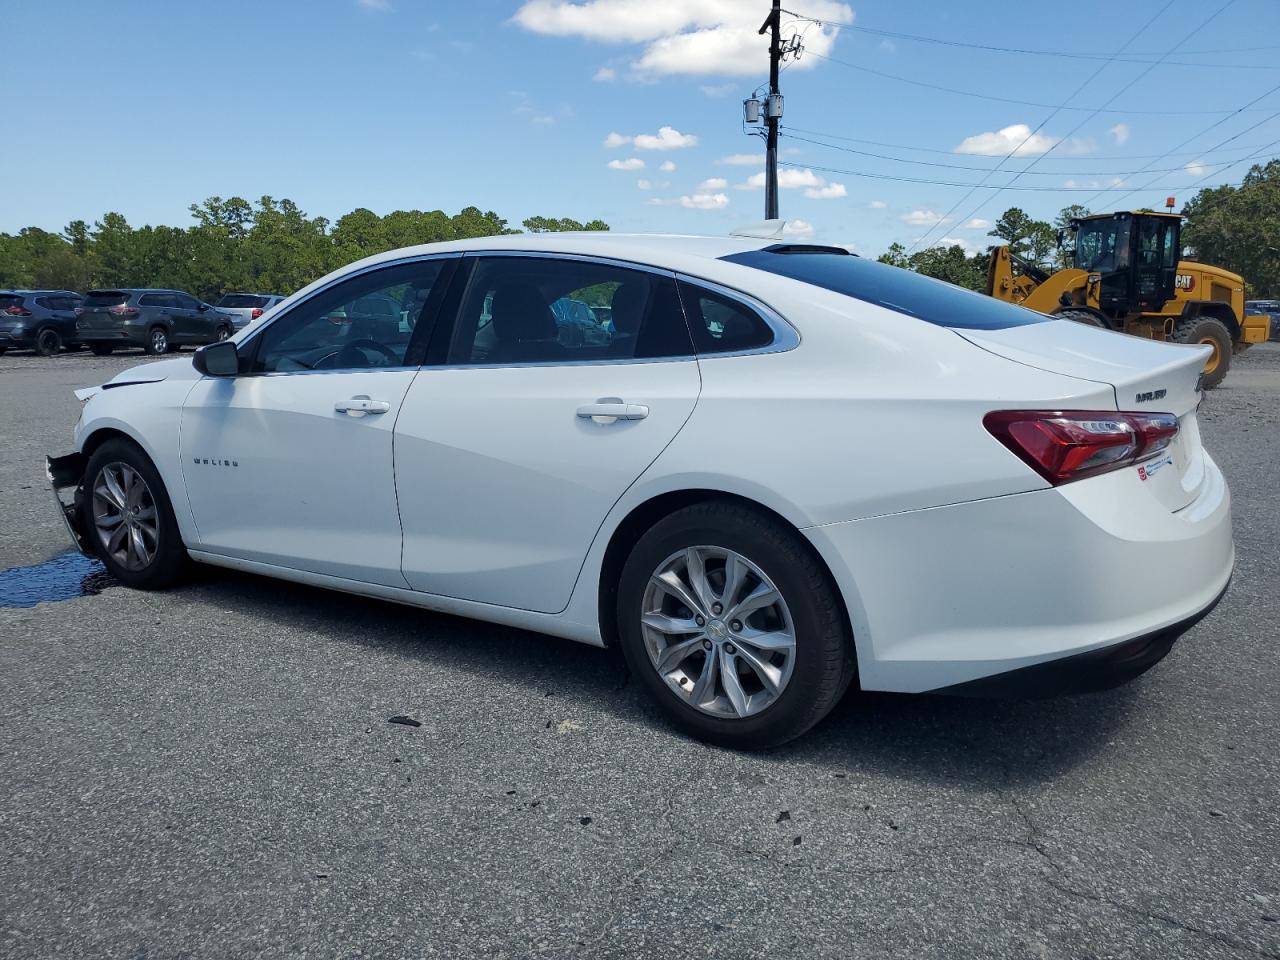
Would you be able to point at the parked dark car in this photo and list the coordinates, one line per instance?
(1269, 307)
(158, 321)
(39, 320)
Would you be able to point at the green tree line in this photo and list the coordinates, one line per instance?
(271, 246)
(1233, 227)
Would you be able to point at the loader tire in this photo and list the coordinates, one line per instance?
(1212, 333)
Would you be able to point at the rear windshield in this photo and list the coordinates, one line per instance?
(8, 300)
(893, 288)
(105, 298)
(241, 300)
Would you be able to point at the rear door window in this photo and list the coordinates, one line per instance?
(521, 310)
(896, 289)
(155, 300)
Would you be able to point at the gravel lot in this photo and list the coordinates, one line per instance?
(210, 773)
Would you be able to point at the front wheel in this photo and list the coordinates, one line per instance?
(222, 333)
(129, 518)
(733, 626)
(1213, 333)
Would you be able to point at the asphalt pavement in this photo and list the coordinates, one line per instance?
(210, 772)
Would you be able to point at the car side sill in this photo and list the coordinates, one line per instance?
(548, 623)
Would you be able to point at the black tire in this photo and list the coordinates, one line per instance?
(170, 563)
(1087, 317)
(157, 341)
(48, 342)
(824, 650)
(222, 333)
(102, 349)
(2, 351)
(1214, 333)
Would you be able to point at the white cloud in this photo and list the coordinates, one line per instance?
(712, 183)
(977, 223)
(682, 36)
(718, 90)
(705, 201)
(667, 138)
(742, 160)
(888, 45)
(788, 179)
(631, 163)
(1196, 168)
(644, 184)
(605, 75)
(667, 166)
(381, 5)
(1120, 132)
(797, 228)
(831, 191)
(922, 218)
(1016, 139)
(960, 242)
(877, 204)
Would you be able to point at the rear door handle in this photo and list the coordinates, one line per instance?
(608, 409)
(361, 405)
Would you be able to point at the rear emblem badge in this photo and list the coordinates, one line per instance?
(1150, 395)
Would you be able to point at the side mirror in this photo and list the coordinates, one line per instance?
(202, 307)
(217, 360)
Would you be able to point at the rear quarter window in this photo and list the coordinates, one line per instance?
(893, 288)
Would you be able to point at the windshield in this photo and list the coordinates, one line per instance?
(239, 301)
(1102, 246)
(893, 288)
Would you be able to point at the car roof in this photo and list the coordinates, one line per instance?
(672, 251)
(138, 290)
(37, 293)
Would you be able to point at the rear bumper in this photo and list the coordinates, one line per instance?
(1084, 672)
(66, 473)
(1097, 572)
(14, 341)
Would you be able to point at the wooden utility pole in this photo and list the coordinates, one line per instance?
(772, 114)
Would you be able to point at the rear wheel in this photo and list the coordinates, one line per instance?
(157, 341)
(129, 519)
(221, 334)
(48, 342)
(733, 626)
(102, 349)
(1214, 334)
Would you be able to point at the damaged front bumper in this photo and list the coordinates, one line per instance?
(67, 473)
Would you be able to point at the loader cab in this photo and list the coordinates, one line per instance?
(1134, 254)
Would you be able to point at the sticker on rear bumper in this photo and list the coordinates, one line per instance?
(1149, 470)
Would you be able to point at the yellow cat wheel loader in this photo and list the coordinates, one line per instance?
(1127, 275)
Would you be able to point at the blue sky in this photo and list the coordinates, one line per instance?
(145, 107)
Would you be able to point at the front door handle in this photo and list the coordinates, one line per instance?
(361, 405)
(609, 409)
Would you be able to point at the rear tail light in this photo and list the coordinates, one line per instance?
(1066, 445)
(120, 310)
(18, 312)
(257, 312)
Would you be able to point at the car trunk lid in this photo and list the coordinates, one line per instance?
(1147, 377)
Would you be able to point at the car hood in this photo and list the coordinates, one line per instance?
(176, 369)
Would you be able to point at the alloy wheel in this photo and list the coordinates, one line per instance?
(718, 632)
(125, 516)
(159, 341)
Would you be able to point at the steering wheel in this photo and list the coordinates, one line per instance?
(347, 356)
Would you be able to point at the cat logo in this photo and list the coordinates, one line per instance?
(1184, 281)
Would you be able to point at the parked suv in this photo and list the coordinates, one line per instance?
(158, 321)
(39, 320)
(244, 308)
(1271, 308)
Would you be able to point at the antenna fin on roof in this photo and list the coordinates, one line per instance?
(764, 230)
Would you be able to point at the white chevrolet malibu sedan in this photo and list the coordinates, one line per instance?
(763, 470)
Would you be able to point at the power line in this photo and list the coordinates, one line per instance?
(1213, 16)
(1134, 58)
(960, 153)
(1216, 146)
(962, 166)
(1056, 110)
(941, 183)
(1254, 156)
(1022, 103)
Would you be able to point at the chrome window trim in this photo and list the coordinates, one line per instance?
(785, 336)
